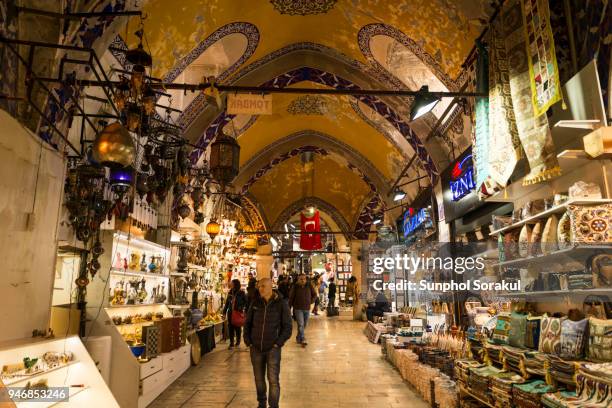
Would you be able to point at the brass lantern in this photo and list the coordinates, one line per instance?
(114, 147)
(213, 228)
(224, 159)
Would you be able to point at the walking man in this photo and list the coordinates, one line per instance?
(302, 295)
(267, 328)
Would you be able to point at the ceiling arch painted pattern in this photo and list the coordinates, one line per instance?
(297, 151)
(366, 33)
(443, 28)
(381, 75)
(323, 206)
(366, 217)
(318, 139)
(334, 81)
(249, 31)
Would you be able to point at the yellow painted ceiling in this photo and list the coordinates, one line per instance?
(444, 28)
(290, 181)
(339, 120)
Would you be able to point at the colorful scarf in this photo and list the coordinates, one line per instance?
(533, 130)
(543, 71)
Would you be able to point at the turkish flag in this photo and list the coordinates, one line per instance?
(310, 242)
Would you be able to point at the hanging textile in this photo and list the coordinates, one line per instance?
(543, 71)
(505, 149)
(480, 152)
(533, 130)
(310, 242)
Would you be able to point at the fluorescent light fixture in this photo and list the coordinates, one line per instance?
(274, 242)
(398, 195)
(423, 102)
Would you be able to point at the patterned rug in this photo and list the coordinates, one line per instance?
(533, 131)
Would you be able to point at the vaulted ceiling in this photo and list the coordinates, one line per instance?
(359, 144)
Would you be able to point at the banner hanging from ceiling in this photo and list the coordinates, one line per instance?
(310, 237)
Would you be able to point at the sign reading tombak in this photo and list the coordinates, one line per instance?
(249, 104)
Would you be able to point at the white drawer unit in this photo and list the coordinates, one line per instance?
(153, 382)
(150, 367)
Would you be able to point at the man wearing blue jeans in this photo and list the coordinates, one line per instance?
(302, 295)
(267, 328)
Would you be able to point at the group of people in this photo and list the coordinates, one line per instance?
(266, 317)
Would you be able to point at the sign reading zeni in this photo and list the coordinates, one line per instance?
(413, 221)
(462, 178)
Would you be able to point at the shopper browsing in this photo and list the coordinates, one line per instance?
(316, 284)
(331, 293)
(302, 295)
(234, 309)
(267, 328)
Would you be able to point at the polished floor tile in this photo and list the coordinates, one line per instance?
(338, 368)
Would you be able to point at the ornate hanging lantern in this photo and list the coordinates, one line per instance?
(114, 147)
(213, 228)
(224, 159)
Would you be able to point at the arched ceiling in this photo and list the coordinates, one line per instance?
(332, 182)
(444, 29)
(362, 143)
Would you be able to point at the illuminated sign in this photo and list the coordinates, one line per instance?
(413, 221)
(462, 180)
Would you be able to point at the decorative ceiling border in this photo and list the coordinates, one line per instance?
(366, 217)
(320, 204)
(249, 30)
(334, 81)
(314, 136)
(374, 29)
(256, 217)
(199, 103)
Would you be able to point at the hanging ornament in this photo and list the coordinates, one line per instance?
(114, 147)
(213, 228)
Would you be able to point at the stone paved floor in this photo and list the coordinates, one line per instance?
(339, 368)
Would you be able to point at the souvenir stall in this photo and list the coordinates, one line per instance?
(542, 344)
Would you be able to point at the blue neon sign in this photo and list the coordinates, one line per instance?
(462, 180)
(413, 221)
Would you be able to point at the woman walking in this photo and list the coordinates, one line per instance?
(234, 309)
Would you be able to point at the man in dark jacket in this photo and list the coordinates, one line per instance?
(331, 293)
(283, 286)
(302, 295)
(268, 326)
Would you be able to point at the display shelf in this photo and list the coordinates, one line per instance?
(544, 214)
(117, 271)
(136, 305)
(600, 291)
(572, 167)
(136, 242)
(81, 370)
(577, 252)
(25, 378)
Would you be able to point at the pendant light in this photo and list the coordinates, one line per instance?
(224, 159)
(114, 147)
(424, 102)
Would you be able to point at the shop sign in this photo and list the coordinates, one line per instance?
(413, 220)
(249, 104)
(462, 180)
(459, 190)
